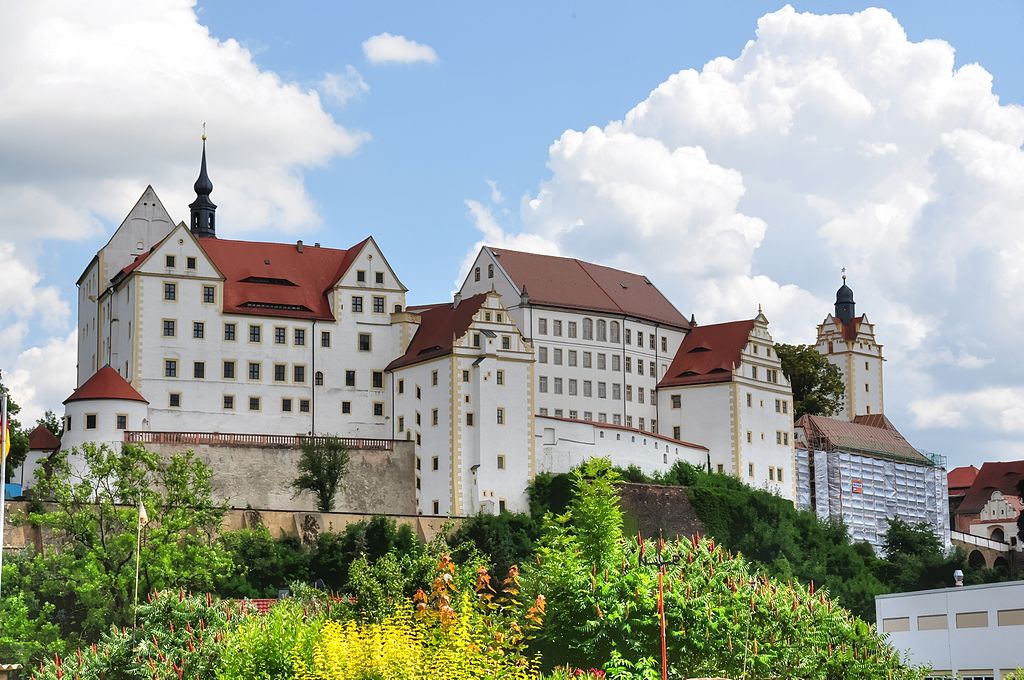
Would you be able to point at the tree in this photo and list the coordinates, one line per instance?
(19, 438)
(1020, 517)
(52, 423)
(817, 384)
(915, 558)
(93, 496)
(322, 464)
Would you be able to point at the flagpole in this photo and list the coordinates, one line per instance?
(138, 555)
(3, 478)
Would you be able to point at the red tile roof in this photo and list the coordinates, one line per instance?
(273, 279)
(827, 434)
(960, 479)
(106, 383)
(1002, 476)
(439, 326)
(708, 354)
(611, 426)
(41, 439)
(572, 283)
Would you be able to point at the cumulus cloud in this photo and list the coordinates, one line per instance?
(343, 87)
(43, 376)
(385, 48)
(88, 123)
(830, 141)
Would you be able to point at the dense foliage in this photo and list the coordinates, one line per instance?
(818, 387)
(322, 465)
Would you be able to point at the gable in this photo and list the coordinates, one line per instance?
(146, 224)
(179, 245)
(367, 257)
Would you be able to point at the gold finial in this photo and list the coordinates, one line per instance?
(204, 130)
(843, 270)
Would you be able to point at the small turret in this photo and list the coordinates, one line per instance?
(845, 306)
(203, 209)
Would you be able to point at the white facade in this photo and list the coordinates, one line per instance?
(859, 358)
(998, 520)
(972, 631)
(565, 444)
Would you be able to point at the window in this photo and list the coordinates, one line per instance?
(325, 338)
(298, 374)
(558, 356)
(771, 473)
(677, 433)
(361, 276)
(378, 277)
(629, 336)
(198, 329)
(346, 407)
(602, 390)
(613, 333)
(419, 392)
(121, 421)
(199, 370)
(501, 462)
(677, 402)
(664, 344)
(435, 463)
(469, 420)
(506, 342)
(616, 391)
(280, 372)
(629, 364)
(318, 378)
(542, 326)
(542, 383)
(778, 474)
(378, 408)
(401, 387)
(286, 405)
(437, 508)
(750, 469)
(629, 393)
(350, 378)
(867, 387)
(588, 388)
(208, 295)
(357, 304)
(753, 372)
(750, 400)
(571, 329)
(558, 385)
(465, 376)
(639, 339)
(476, 339)
(572, 357)
(190, 263)
(255, 333)
(616, 362)
(501, 416)
(588, 358)
(378, 304)
(254, 403)
(170, 291)
(556, 327)
(490, 271)
(254, 370)
(280, 335)
(750, 437)
(303, 405)
(572, 386)
(229, 331)
(542, 354)
(640, 394)
(229, 402)
(169, 261)
(602, 330)
(90, 421)
(169, 328)
(229, 370)
(433, 417)
(476, 277)
(174, 400)
(640, 366)
(772, 375)
(364, 342)
(170, 368)
(602, 361)
(378, 380)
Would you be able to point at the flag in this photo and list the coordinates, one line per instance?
(143, 517)
(7, 440)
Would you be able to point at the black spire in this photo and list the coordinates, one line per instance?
(203, 209)
(845, 307)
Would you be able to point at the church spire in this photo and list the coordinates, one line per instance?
(203, 209)
(845, 306)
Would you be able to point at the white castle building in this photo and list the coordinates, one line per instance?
(537, 364)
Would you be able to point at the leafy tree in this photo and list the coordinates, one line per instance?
(264, 564)
(52, 423)
(506, 538)
(594, 512)
(322, 465)
(19, 438)
(915, 558)
(1020, 517)
(818, 387)
(93, 513)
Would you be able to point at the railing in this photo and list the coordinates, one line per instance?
(979, 541)
(281, 441)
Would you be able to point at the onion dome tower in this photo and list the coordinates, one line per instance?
(203, 210)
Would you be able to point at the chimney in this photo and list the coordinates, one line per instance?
(458, 299)
(316, 245)
(298, 245)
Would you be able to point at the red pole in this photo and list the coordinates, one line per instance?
(661, 613)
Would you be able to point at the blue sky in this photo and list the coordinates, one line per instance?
(825, 142)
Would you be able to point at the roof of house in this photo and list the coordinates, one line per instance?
(439, 326)
(633, 430)
(960, 479)
(708, 354)
(273, 279)
(1001, 476)
(575, 284)
(106, 383)
(849, 330)
(41, 439)
(827, 434)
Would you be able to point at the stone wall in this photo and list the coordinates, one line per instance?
(252, 476)
(653, 509)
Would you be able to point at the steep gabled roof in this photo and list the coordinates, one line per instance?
(439, 326)
(708, 354)
(41, 439)
(960, 479)
(575, 284)
(106, 383)
(828, 434)
(1001, 476)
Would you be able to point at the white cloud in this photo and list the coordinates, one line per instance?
(830, 141)
(993, 408)
(99, 104)
(21, 296)
(343, 87)
(385, 48)
(496, 195)
(43, 377)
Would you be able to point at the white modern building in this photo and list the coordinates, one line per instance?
(968, 633)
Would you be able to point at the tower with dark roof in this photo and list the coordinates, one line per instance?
(845, 306)
(203, 210)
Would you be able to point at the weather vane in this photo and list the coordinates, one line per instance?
(204, 139)
(843, 269)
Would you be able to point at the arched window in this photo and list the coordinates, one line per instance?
(476, 274)
(998, 535)
(602, 330)
(318, 379)
(398, 308)
(614, 332)
(588, 329)
(490, 271)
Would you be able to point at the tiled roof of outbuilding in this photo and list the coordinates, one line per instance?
(41, 439)
(575, 284)
(826, 434)
(106, 383)
(960, 479)
(439, 326)
(1001, 476)
(708, 354)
